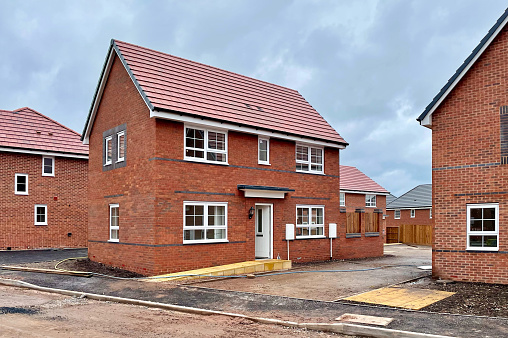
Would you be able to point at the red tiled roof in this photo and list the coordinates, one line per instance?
(176, 84)
(353, 179)
(28, 129)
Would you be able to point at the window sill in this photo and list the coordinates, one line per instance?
(264, 163)
(120, 161)
(21, 193)
(206, 242)
(113, 240)
(370, 206)
(310, 172)
(372, 234)
(310, 237)
(353, 235)
(106, 164)
(41, 224)
(192, 159)
(48, 175)
(482, 250)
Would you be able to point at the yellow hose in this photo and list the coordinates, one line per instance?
(67, 259)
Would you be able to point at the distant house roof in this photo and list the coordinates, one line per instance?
(170, 84)
(390, 198)
(352, 179)
(418, 197)
(26, 130)
(425, 117)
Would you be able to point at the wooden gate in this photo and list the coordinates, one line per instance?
(392, 235)
(416, 234)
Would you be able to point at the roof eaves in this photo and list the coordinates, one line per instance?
(471, 59)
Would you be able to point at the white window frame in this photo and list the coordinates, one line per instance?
(430, 213)
(310, 207)
(309, 161)
(107, 140)
(395, 214)
(267, 162)
(45, 214)
(205, 225)
(413, 213)
(118, 135)
(483, 233)
(206, 150)
(52, 158)
(114, 227)
(368, 200)
(16, 191)
(342, 199)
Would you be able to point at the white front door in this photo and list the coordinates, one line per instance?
(263, 231)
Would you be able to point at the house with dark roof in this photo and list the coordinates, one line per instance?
(469, 123)
(364, 203)
(193, 166)
(412, 208)
(43, 183)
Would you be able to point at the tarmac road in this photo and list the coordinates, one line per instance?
(8, 257)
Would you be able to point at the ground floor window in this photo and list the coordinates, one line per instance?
(310, 221)
(114, 222)
(483, 227)
(41, 214)
(205, 222)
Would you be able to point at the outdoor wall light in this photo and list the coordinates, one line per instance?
(251, 212)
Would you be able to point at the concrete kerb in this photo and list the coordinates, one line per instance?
(343, 328)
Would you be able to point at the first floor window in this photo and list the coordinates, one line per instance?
(205, 222)
(263, 151)
(21, 184)
(370, 200)
(413, 213)
(120, 141)
(108, 150)
(309, 159)
(310, 221)
(430, 213)
(114, 222)
(397, 214)
(483, 227)
(342, 199)
(41, 214)
(205, 145)
(48, 166)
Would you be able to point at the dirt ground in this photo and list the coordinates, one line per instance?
(28, 313)
(330, 286)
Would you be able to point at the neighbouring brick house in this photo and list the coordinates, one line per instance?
(364, 203)
(414, 208)
(193, 166)
(43, 183)
(469, 123)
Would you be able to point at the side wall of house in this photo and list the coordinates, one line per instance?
(131, 186)
(466, 168)
(64, 195)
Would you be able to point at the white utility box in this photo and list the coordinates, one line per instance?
(290, 232)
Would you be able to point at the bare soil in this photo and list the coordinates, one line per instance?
(477, 299)
(28, 313)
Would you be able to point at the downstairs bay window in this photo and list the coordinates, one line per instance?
(205, 222)
(310, 221)
(483, 227)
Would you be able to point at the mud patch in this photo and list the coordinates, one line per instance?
(4, 310)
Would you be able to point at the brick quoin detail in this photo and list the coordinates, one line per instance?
(466, 141)
(67, 214)
(151, 190)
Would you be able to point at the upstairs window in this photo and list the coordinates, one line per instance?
(309, 159)
(430, 213)
(413, 213)
(342, 199)
(48, 166)
(483, 227)
(205, 145)
(370, 200)
(310, 221)
(114, 222)
(397, 214)
(263, 151)
(120, 142)
(21, 184)
(108, 150)
(41, 214)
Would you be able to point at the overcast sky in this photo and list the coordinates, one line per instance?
(369, 67)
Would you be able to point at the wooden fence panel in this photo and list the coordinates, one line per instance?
(392, 234)
(415, 234)
(371, 222)
(352, 223)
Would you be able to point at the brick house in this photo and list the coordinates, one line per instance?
(193, 166)
(364, 203)
(412, 208)
(43, 183)
(469, 123)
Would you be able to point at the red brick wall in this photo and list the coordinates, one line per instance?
(421, 217)
(153, 186)
(465, 131)
(66, 214)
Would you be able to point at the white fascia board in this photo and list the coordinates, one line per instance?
(365, 192)
(41, 152)
(409, 208)
(236, 127)
(264, 193)
(427, 121)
